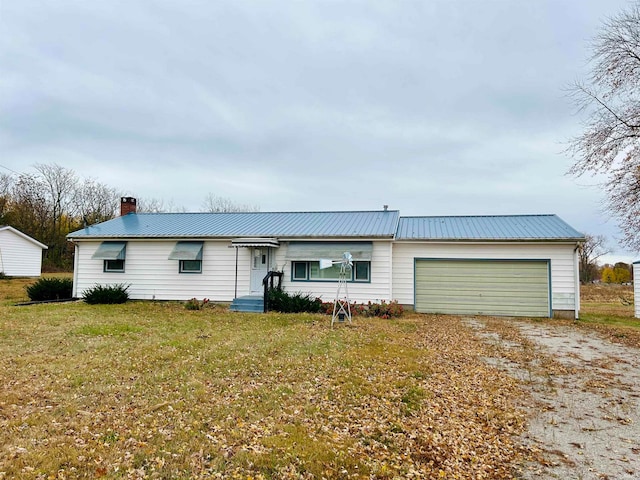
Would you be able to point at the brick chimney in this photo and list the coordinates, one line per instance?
(127, 205)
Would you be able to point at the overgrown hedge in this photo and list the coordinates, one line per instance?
(281, 301)
(106, 294)
(50, 289)
(370, 309)
(298, 302)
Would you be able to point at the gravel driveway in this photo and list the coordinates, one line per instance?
(583, 398)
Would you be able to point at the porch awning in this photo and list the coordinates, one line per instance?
(186, 251)
(329, 250)
(111, 251)
(255, 242)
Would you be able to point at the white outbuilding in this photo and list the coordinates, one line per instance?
(20, 255)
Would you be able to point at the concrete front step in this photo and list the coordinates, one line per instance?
(248, 303)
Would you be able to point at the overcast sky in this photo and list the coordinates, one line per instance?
(434, 107)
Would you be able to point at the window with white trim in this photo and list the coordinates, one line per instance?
(190, 266)
(112, 254)
(309, 271)
(116, 266)
(189, 256)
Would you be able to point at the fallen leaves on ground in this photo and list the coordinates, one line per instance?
(210, 394)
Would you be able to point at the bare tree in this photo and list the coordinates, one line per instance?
(610, 142)
(590, 251)
(6, 183)
(29, 208)
(60, 184)
(95, 201)
(155, 205)
(214, 204)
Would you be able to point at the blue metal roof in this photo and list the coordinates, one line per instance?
(371, 224)
(494, 227)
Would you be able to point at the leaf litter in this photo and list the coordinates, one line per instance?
(258, 396)
(584, 396)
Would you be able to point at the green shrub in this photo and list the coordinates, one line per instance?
(50, 289)
(281, 301)
(106, 294)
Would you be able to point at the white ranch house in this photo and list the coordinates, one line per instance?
(20, 255)
(514, 265)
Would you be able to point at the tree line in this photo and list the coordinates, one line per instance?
(590, 251)
(54, 201)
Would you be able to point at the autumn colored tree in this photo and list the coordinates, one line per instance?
(50, 203)
(608, 275)
(618, 273)
(610, 142)
(622, 272)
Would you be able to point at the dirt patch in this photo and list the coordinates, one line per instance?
(584, 398)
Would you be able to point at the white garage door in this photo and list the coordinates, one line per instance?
(483, 287)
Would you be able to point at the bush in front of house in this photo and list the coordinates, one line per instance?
(106, 294)
(50, 289)
(370, 309)
(195, 304)
(384, 310)
(281, 301)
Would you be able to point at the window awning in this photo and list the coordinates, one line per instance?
(255, 242)
(329, 250)
(111, 251)
(186, 251)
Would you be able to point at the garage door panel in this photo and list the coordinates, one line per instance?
(498, 310)
(500, 287)
(471, 298)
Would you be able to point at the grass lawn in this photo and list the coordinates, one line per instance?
(12, 290)
(609, 310)
(152, 390)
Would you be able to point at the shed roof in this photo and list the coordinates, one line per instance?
(489, 227)
(17, 232)
(366, 224)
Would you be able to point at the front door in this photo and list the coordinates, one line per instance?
(259, 268)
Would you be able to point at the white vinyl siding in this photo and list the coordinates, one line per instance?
(560, 255)
(151, 275)
(482, 287)
(376, 290)
(19, 257)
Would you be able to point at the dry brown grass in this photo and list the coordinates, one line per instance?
(605, 293)
(151, 390)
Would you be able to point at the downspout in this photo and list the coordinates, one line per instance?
(235, 292)
(268, 259)
(391, 271)
(76, 254)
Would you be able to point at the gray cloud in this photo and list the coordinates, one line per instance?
(443, 107)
